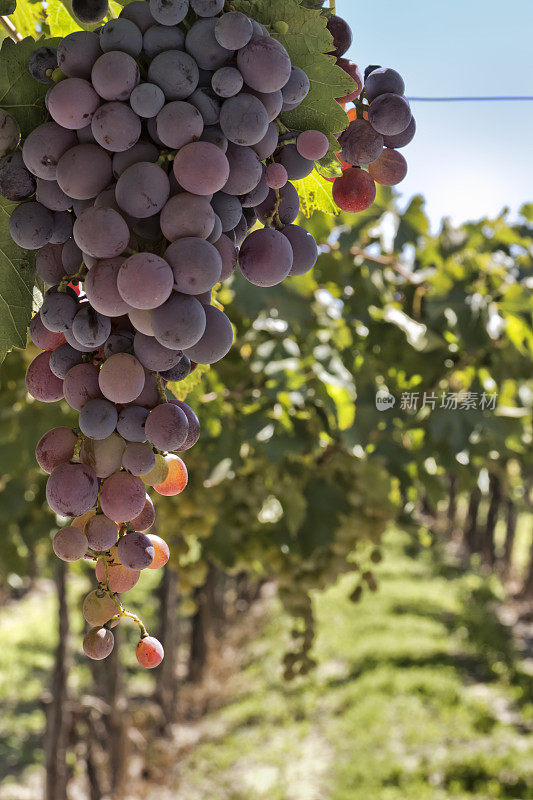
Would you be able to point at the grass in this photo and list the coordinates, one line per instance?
(419, 695)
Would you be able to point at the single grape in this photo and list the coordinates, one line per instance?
(142, 190)
(208, 104)
(98, 607)
(150, 652)
(354, 190)
(216, 233)
(63, 358)
(177, 372)
(268, 144)
(312, 145)
(272, 101)
(361, 143)
(104, 456)
(175, 72)
(54, 448)
(159, 38)
(201, 43)
(131, 422)
(115, 75)
(297, 167)
(71, 257)
(147, 100)
(122, 496)
(389, 114)
(9, 132)
(156, 476)
(227, 81)
(213, 134)
(85, 135)
(171, 319)
(44, 147)
(16, 182)
(70, 544)
(233, 30)
(31, 225)
(403, 138)
(116, 127)
(304, 249)
(216, 340)
(84, 171)
(101, 534)
(240, 231)
(146, 518)
(383, 80)
(73, 342)
(179, 123)
(354, 72)
(207, 8)
(101, 288)
(138, 458)
(141, 319)
(58, 310)
(201, 168)
(266, 257)
(297, 87)
(167, 427)
(276, 176)
(145, 280)
(72, 103)
(81, 521)
(288, 208)
(169, 12)
(161, 551)
(245, 168)
(72, 489)
(62, 227)
(81, 385)
(135, 550)
(50, 195)
(264, 64)
(243, 119)
(101, 232)
(228, 254)
(98, 419)
(98, 642)
(342, 35)
(193, 433)
(121, 34)
(176, 479)
(229, 210)
(49, 263)
(91, 328)
(77, 53)
(187, 214)
(195, 263)
(42, 337)
(121, 378)
(119, 342)
(121, 579)
(41, 62)
(138, 12)
(389, 169)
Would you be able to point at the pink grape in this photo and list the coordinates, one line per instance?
(138, 458)
(101, 533)
(41, 382)
(98, 608)
(70, 544)
(55, 447)
(72, 489)
(102, 290)
(167, 427)
(145, 280)
(146, 518)
(135, 550)
(81, 385)
(161, 551)
(121, 378)
(122, 497)
(98, 643)
(150, 652)
(312, 145)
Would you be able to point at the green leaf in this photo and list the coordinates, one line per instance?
(17, 277)
(20, 94)
(307, 41)
(27, 17)
(315, 195)
(7, 7)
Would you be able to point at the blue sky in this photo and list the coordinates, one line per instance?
(468, 159)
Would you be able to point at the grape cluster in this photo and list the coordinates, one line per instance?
(378, 127)
(162, 151)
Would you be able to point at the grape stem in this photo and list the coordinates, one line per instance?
(66, 279)
(79, 442)
(274, 216)
(160, 387)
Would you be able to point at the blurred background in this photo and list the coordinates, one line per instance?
(348, 611)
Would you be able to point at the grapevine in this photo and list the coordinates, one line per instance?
(172, 146)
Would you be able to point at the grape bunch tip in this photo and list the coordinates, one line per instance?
(140, 193)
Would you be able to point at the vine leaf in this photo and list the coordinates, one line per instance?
(17, 277)
(315, 195)
(20, 94)
(307, 41)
